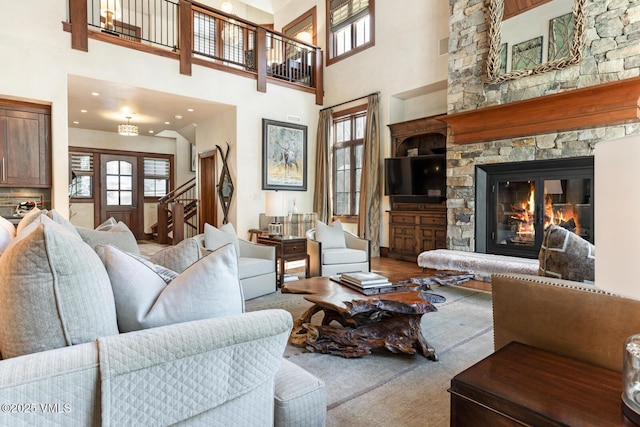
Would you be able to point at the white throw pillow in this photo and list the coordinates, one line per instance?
(28, 218)
(7, 233)
(215, 238)
(54, 291)
(107, 225)
(331, 236)
(178, 257)
(117, 235)
(208, 288)
(8, 226)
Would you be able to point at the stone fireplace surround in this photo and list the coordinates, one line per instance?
(611, 53)
(564, 125)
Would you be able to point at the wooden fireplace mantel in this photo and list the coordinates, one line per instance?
(606, 104)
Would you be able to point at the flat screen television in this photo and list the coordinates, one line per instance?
(416, 176)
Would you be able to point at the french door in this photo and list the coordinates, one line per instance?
(119, 195)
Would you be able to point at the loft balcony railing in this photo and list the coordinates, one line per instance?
(197, 34)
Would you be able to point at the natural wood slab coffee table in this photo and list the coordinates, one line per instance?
(389, 320)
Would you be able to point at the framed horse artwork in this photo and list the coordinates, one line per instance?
(284, 156)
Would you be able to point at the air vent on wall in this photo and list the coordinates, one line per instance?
(443, 46)
(296, 119)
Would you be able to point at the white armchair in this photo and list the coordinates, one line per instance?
(329, 261)
(256, 263)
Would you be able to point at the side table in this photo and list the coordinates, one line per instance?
(288, 248)
(522, 385)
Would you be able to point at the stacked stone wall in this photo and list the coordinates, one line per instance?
(611, 52)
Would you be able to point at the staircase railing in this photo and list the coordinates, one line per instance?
(178, 214)
(195, 33)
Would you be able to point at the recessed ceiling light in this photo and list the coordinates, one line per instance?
(167, 123)
(83, 111)
(178, 117)
(150, 131)
(75, 122)
(190, 110)
(95, 94)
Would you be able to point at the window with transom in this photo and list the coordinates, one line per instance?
(348, 145)
(351, 27)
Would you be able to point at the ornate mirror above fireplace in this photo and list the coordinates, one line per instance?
(547, 36)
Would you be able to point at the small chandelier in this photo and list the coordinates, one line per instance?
(127, 129)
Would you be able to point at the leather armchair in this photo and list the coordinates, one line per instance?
(356, 256)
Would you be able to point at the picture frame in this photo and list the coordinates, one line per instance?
(284, 156)
(194, 157)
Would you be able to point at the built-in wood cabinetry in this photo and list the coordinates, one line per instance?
(25, 145)
(415, 225)
(412, 232)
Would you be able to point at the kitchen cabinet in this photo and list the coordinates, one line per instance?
(25, 145)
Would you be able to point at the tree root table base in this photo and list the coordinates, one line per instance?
(390, 321)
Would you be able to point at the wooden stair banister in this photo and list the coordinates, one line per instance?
(175, 210)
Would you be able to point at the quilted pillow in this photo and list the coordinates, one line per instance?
(331, 236)
(117, 235)
(565, 255)
(208, 288)
(56, 217)
(215, 238)
(54, 291)
(178, 257)
(29, 217)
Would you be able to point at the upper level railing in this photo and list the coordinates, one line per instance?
(198, 34)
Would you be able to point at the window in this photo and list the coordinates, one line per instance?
(351, 27)
(303, 28)
(156, 177)
(81, 175)
(348, 144)
(119, 179)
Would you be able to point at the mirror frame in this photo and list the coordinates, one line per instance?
(495, 13)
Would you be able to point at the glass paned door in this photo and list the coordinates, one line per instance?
(119, 196)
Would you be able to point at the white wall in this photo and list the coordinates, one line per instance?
(404, 65)
(35, 67)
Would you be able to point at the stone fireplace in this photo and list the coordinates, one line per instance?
(560, 114)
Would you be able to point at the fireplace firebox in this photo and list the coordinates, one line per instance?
(516, 202)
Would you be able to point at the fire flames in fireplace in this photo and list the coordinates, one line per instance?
(516, 202)
(524, 215)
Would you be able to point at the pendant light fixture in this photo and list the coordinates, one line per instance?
(127, 129)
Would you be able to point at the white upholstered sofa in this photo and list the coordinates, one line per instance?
(68, 362)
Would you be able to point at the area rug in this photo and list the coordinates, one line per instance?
(397, 389)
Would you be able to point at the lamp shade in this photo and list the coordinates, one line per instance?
(617, 240)
(275, 204)
(553, 186)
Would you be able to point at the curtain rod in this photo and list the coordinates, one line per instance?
(355, 99)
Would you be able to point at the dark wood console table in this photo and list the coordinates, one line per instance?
(522, 385)
(288, 248)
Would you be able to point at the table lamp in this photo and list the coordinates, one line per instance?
(275, 208)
